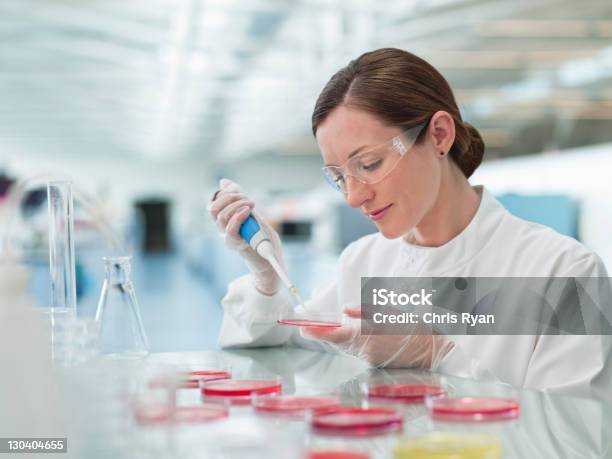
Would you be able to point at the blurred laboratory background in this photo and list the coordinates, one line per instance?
(145, 104)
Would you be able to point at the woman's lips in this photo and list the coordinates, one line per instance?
(379, 214)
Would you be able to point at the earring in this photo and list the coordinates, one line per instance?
(442, 153)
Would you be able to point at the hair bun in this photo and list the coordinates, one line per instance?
(471, 158)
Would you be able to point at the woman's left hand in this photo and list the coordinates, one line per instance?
(414, 350)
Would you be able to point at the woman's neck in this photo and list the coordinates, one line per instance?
(452, 212)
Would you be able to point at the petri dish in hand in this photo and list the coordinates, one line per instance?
(303, 318)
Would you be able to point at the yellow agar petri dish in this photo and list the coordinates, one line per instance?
(442, 445)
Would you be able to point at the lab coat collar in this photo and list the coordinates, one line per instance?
(463, 247)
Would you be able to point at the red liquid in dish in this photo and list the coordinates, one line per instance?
(358, 422)
(241, 387)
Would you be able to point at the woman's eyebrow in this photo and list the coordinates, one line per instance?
(353, 153)
(357, 151)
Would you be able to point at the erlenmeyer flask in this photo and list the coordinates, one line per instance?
(122, 334)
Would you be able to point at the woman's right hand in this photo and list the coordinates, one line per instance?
(229, 208)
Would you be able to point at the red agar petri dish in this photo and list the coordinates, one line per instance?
(407, 393)
(296, 405)
(335, 454)
(309, 323)
(157, 414)
(197, 414)
(473, 409)
(153, 413)
(358, 422)
(240, 389)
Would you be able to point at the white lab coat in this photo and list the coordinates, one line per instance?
(494, 244)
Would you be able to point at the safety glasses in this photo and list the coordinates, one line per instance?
(373, 165)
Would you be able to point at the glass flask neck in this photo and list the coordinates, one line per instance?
(118, 270)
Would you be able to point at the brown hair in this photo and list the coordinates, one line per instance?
(404, 91)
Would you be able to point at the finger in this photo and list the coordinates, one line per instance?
(338, 335)
(224, 216)
(228, 185)
(233, 226)
(354, 312)
(222, 201)
(224, 185)
(214, 197)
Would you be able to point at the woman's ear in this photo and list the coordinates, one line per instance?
(442, 131)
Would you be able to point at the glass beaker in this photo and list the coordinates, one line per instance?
(74, 341)
(122, 334)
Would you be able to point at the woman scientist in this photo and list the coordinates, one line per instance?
(393, 142)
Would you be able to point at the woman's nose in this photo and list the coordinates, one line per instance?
(356, 192)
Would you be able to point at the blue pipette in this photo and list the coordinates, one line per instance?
(252, 232)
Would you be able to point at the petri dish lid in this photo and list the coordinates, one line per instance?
(197, 414)
(358, 421)
(241, 387)
(335, 454)
(408, 393)
(291, 404)
(474, 409)
(442, 445)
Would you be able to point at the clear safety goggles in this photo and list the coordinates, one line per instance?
(373, 165)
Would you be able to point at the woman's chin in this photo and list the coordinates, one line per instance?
(389, 232)
(395, 231)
